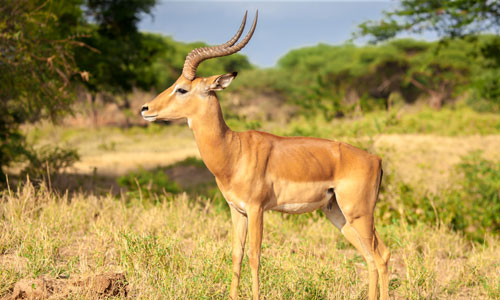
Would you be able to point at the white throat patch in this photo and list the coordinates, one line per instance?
(189, 122)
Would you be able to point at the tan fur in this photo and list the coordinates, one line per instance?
(258, 171)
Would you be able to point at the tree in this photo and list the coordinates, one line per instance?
(448, 18)
(118, 53)
(36, 67)
(441, 71)
(451, 20)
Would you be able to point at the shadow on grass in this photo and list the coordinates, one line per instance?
(190, 176)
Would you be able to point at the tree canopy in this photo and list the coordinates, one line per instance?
(450, 20)
(447, 18)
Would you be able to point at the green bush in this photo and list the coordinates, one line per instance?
(486, 95)
(471, 205)
(49, 161)
(474, 204)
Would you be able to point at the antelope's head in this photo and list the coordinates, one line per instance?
(190, 93)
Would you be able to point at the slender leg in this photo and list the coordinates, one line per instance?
(382, 256)
(255, 221)
(238, 245)
(363, 242)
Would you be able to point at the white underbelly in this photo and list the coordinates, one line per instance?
(298, 208)
(289, 197)
(299, 197)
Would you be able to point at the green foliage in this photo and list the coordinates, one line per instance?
(46, 45)
(474, 204)
(471, 205)
(447, 18)
(36, 65)
(116, 52)
(487, 86)
(148, 185)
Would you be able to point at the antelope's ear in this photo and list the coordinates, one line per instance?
(221, 82)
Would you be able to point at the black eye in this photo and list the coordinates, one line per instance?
(181, 91)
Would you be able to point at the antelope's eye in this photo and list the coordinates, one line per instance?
(181, 91)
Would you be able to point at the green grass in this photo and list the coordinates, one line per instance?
(180, 249)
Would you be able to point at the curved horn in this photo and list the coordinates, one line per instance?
(198, 55)
(236, 37)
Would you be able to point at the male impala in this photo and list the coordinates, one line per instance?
(258, 171)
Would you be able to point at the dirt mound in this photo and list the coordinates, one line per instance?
(95, 287)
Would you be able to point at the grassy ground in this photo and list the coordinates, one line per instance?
(180, 249)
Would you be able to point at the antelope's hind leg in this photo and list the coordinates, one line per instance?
(359, 230)
(369, 244)
(336, 216)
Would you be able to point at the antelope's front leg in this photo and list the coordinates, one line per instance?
(239, 237)
(255, 220)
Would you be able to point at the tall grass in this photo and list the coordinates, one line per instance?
(180, 249)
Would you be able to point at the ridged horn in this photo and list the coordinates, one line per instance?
(198, 55)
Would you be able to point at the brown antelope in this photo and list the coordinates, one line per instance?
(257, 171)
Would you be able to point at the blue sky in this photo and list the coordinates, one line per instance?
(282, 25)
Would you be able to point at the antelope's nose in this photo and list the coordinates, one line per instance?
(144, 108)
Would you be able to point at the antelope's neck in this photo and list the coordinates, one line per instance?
(218, 144)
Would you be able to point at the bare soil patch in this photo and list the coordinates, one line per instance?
(95, 286)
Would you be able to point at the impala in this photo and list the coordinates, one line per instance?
(258, 171)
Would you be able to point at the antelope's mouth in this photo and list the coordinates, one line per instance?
(150, 118)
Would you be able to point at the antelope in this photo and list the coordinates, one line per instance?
(257, 171)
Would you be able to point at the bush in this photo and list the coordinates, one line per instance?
(474, 204)
(471, 205)
(49, 161)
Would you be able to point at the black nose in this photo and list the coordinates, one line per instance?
(144, 108)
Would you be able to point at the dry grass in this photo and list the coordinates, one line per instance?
(180, 249)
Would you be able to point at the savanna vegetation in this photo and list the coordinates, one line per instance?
(136, 200)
